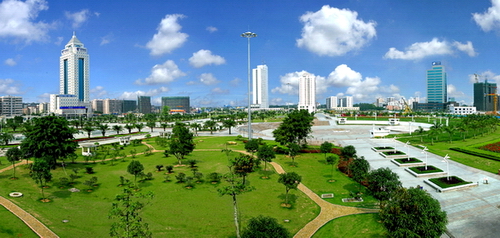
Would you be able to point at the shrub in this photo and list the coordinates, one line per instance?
(89, 170)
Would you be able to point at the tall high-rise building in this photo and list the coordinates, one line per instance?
(177, 104)
(436, 84)
(11, 106)
(129, 106)
(331, 102)
(74, 70)
(307, 92)
(144, 104)
(483, 96)
(346, 101)
(260, 87)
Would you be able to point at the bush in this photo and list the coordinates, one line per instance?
(89, 170)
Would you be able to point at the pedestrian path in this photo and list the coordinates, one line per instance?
(328, 212)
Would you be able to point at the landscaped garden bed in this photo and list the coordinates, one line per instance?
(405, 162)
(449, 183)
(425, 171)
(382, 148)
(393, 154)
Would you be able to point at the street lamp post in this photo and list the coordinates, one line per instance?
(445, 159)
(424, 150)
(407, 145)
(249, 35)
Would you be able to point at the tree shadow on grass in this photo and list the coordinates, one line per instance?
(6, 175)
(292, 164)
(144, 184)
(292, 199)
(62, 194)
(266, 173)
(322, 161)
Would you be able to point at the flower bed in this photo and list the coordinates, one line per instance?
(393, 154)
(494, 147)
(443, 184)
(420, 171)
(404, 162)
(382, 148)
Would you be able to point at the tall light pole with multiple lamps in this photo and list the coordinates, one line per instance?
(249, 35)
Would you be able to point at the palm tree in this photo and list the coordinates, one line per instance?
(228, 124)
(129, 127)
(420, 131)
(211, 125)
(450, 130)
(117, 128)
(103, 128)
(139, 126)
(195, 126)
(88, 128)
(151, 125)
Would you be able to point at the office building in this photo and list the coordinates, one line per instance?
(112, 106)
(331, 102)
(97, 105)
(260, 97)
(484, 96)
(346, 101)
(179, 104)
(436, 84)
(144, 104)
(129, 106)
(74, 70)
(11, 106)
(307, 92)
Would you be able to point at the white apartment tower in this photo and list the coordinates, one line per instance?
(307, 92)
(74, 70)
(259, 86)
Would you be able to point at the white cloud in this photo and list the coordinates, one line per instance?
(219, 91)
(59, 40)
(290, 83)
(490, 19)
(152, 92)
(168, 37)
(486, 75)
(344, 76)
(107, 39)
(17, 19)
(212, 29)
(98, 92)
(420, 50)
(334, 32)
(467, 48)
(78, 18)
(162, 73)
(452, 92)
(9, 86)
(45, 97)
(205, 57)
(235, 82)
(10, 62)
(208, 79)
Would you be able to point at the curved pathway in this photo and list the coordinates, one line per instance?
(38, 227)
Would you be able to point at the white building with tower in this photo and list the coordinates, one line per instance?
(74, 80)
(307, 92)
(260, 92)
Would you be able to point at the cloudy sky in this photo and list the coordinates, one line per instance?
(363, 48)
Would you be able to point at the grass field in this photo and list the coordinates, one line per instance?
(354, 226)
(176, 211)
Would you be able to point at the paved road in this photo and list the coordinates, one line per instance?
(472, 212)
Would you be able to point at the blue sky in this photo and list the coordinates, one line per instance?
(363, 48)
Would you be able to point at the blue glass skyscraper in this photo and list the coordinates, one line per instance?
(436, 84)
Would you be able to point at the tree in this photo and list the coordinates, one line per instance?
(332, 159)
(266, 154)
(210, 124)
(195, 126)
(181, 143)
(40, 172)
(103, 128)
(88, 128)
(135, 168)
(264, 227)
(348, 151)
(413, 212)
(293, 150)
(151, 125)
(228, 124)
(382, 183)
(291, 181)
(6, 137)
(252, 146)
(326, 147)
(295, 128)
(359, 168)
(49, 138)
(14, 154)
(126, 208)
(129, 127)
(139, 126)
(118, 129)
(242, 165)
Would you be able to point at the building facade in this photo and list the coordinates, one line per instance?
(331, 102)
(307, 92)
(437, 84)
(112, 106)
(179, 104)
(260, 92)
(74, 70)
(484, 96)
(129, 106)
(11, 106)
(144, 104)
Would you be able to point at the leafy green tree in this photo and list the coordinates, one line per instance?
(413, 212)
(14, 154)
(264, 227)
(126, 209)
(242, 165)
(295, 128)
(229, 123)
(382, 183)
(293, 151)
(151, 125)
(265, 153)
(332, 159)
(129, 127)
(252, 146)
(103, 128)
(49, 138)
(135, 168)
(326, 147)
(210, 124)
(181, 143)
(348, 151)
(118, 129)
(359, 168)
(139, 126)
(88, 128)
(291, 181)
(6, 137)
(40, 172)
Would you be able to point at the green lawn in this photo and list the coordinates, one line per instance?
(11, 226)
(360, 225)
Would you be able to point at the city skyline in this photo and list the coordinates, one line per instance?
(366, 49)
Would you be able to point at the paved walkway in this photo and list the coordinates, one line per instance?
(328, 211)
